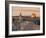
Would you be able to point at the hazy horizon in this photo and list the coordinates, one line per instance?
(25, 11)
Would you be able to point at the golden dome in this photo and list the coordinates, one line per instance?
(33, 15)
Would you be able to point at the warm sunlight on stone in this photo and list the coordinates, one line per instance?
(33, 15)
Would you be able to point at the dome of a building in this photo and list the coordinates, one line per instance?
(33, 15)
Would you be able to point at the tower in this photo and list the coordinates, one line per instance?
(20, 17)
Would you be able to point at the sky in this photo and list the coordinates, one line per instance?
(25, 11)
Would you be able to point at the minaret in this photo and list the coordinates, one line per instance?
(20, 17)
